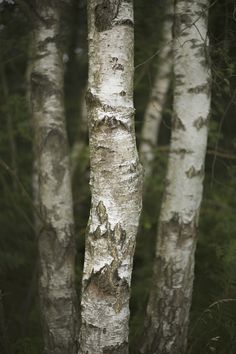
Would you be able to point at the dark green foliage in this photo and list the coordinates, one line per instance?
(18, 251)
(215, 270)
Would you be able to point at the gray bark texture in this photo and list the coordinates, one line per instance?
(56, 236)
(116, 180)
(80, 144)
(158, 97)
(168, 307)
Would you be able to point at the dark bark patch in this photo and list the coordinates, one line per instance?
(116, 349)
(195, 43)
(175, 218)
(116, 65)
(179, 79)
(182, 152)
(42, 88)
(105, 13)
(106, 282)
(47, 242)
(122, 93)
(192, 172)
(181, 21)
(204, 55)
(52, 250)
(90, 325)
(110, 122)
(177, 122)
(102, 212)
(201, 122)
(204, 88)
(182, 232)
(55, 144)
(107, 108)
(205, 9)
(153, 117)
(124, 22)
(134, 166)
(92, 100)
(42, 15)
(97, 233)
(119, 234)
(42, 45)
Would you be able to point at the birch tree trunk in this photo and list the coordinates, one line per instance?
(81, 144)
(35, 177)
(154, 110)
(56, 238)
(116, 180)
(170, 299)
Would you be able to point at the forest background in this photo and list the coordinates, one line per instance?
(213, 311)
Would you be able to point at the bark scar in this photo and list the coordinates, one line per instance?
(193, 172)
(102, 212)
(105, 13)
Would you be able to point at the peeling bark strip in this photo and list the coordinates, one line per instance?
(154, 110)
(56, 238)
(116, 177)
(167, 315)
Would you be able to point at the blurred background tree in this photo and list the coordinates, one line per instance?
(213, 324)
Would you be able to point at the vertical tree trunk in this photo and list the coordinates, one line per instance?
(35, 174)
(56, 237)
(116, 180)
(154, 110)
(170, 298)
(10, 125)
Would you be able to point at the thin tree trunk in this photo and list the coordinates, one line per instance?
(116, 180)
(170, 298)
(56, 238)
(156, 103)
(81, 144)
(10, 126)
(35, 173)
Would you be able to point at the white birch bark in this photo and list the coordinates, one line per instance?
(56, 238)
(116, 176)
(170, 298)
(154, 110)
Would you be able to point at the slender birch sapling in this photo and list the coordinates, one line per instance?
(159, 92)
(56, 237)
